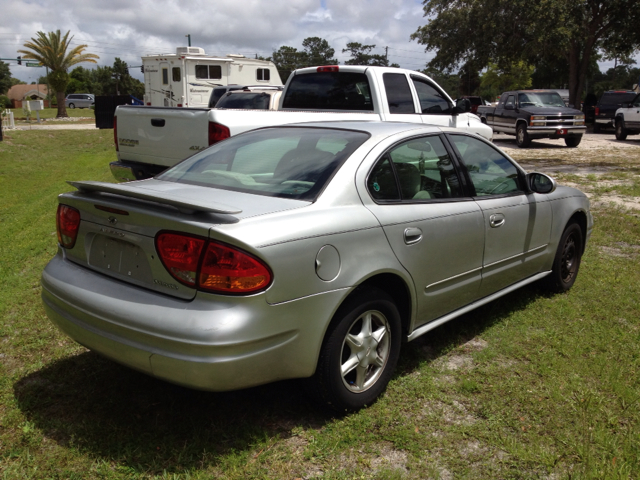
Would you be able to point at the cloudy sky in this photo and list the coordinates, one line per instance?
(131, 28)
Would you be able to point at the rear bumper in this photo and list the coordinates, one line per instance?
(212, 342)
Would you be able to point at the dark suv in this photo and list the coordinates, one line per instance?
(608, 104)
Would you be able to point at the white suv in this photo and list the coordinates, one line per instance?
(627, 119)
(79, 100)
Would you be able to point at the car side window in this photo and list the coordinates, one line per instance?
(511, 100)
(431, 100)
(398, 92)
(490, 172)
(419, 169)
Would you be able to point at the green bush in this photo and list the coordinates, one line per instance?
(5, 102)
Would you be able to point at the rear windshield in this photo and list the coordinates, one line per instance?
(329, 91)
(286, 162)
(255, 101)
(616, 98)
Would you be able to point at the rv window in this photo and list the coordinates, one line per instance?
(165, 76)
(264, 74)
(209, 71)
(176, 74)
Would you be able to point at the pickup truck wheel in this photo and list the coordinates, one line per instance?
(522, 137)
(573, 142)
(621, 132)
(71, 105)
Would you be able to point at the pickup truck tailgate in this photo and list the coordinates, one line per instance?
(160, 135)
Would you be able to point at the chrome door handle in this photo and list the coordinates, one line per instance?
(412, 235)
(496, 220)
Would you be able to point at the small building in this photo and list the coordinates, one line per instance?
(18, 93)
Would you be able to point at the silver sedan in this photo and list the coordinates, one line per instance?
(305, 251)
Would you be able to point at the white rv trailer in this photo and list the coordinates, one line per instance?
(186, 78)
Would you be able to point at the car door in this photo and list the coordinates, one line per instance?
(435, 108)
(435, 231)
(517, 222)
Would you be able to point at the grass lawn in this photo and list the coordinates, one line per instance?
(531, 386)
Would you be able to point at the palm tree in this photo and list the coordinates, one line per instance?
(50, 49)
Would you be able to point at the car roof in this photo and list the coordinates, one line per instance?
(373, 127)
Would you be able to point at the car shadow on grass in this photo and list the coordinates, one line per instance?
(129, 419)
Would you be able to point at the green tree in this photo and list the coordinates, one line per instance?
(287, 59)
(361, 55)
(496, 80)
(5, 78)
(318, 52)
(508, 31)
(52, 50)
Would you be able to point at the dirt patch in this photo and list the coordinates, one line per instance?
(621, 249)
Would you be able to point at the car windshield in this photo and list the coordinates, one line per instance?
(254, 101)
(540, 99)
(286, 162)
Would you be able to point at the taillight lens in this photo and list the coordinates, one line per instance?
(597, 111)
(115, 132)
(211, 266)
(67, 223)
(217, 133)
(180, 255)
(227, 269)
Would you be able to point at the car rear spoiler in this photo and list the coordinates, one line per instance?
(134, 190)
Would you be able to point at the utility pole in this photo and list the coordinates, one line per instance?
(386, 55)
(188, 35)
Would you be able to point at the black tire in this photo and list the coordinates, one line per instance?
(566, 262)
(522, 137)
(573, 142)
(621, 132)
(367, 374)
(596, 127)
(71, 105)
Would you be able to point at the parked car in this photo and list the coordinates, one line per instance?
(628, 119)
(531, 114)
(251, 98)
(305, 251)
(79, 100)
(218, 92)
(607, 105)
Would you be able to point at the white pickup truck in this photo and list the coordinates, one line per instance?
(151, 139)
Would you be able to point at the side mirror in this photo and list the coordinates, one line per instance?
(509, 106)
(541, 183)
(463, 105)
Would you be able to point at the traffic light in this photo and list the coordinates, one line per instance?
(142, 68)
(19, 60)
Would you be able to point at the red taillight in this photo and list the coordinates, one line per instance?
(179, 104)
(226, 269)
(597, 111)
(115, 132)
(180, 255)
(217, 133)
(67, 223)
(211, 266)
(328, 68)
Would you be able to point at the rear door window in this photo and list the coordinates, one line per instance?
(399, 95)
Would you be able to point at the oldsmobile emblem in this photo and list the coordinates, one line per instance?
(112, 220)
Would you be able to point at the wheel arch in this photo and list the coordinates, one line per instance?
(580, 218)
